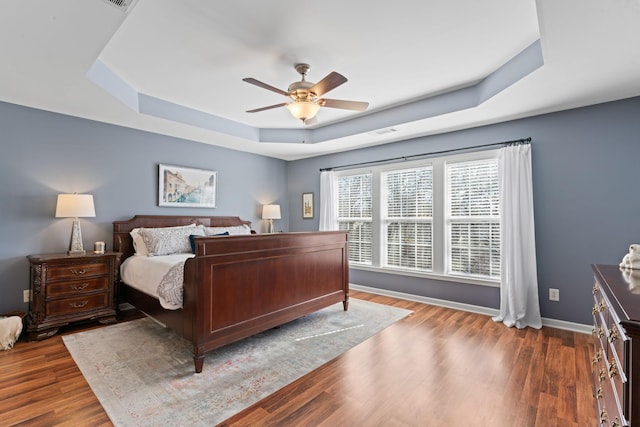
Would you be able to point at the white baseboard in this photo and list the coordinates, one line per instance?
(551, 323)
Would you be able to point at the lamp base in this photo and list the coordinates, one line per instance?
(270, 226)
(75, 244)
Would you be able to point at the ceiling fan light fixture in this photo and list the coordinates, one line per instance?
(303, 110)
(306, 96)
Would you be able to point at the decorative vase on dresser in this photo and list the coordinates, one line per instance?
(616, 358)
(69, 288)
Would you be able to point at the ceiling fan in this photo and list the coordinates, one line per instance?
(306, 95)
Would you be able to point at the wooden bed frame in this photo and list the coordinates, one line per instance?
(237, 286)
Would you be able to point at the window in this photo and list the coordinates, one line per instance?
(438, 217)
(355, 215)
(408, 217)
(473, 218)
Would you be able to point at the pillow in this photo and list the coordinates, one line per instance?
(233, 230)
(138, 243)
(169, 240)
(192, 240)
(10, 329)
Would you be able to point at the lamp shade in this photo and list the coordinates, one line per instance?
(303, 110)
(75, 206)
(271, 212)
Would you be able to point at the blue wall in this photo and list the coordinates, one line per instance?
(584, 177)
(586, 196)
(44, 154)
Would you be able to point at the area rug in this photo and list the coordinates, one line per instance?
(143, 374)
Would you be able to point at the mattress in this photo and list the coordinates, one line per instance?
(146, 274)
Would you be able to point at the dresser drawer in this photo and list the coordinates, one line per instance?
(66, 306)
(77, 287)
(618, 341)
(609, 407)
(76, 271)
(599, 331)
(618, 381)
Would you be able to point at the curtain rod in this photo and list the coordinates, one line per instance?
(373, 162)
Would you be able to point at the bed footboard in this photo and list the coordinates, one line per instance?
(239, 286)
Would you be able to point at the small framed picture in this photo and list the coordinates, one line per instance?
(307, 205)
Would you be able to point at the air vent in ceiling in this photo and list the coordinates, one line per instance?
(383, 131)
(123, 5)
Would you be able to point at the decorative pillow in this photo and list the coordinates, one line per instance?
(169, 240)
(138, 243)
(233, 230)
(192, 240)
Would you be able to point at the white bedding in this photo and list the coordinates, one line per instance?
(147, 273)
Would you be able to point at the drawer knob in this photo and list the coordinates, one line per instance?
(613, 334)
(596, 357)
(603, 374)
(80, 305)
(601, 332)
(79, 287)
(613, 369)
(78, 272)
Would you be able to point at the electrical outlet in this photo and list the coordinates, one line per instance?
(26, 295)
(554, 294)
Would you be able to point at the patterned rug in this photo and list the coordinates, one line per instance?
(143, 373)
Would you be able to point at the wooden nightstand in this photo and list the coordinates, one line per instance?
(68, 288)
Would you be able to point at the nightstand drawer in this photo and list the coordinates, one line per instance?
(77, 271)
(77, 287)
(78, 304)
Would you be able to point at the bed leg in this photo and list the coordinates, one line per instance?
(345, 304)
(198, 362)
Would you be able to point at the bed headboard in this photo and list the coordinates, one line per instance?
(122, 241)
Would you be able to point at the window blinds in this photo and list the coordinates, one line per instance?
(408, 201)
(473, 218)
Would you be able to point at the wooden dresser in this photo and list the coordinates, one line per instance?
(616, 359)
(68, 288)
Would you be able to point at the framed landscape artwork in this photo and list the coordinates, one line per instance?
(186, 187)
(307, 205)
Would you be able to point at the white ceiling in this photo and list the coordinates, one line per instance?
(176, 67)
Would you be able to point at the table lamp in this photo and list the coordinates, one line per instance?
(271, 212)
(75, 206)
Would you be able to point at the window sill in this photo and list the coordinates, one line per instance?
(434, 276)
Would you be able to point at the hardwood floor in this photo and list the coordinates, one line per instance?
(436, 367)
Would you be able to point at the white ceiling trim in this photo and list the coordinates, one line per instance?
(518, 67)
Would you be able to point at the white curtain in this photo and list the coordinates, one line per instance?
(328, 216)
(519, 304)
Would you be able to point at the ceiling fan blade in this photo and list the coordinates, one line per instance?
(312, 121)
(265, 86)
(330, 82)
(267, 108)
(345, 105)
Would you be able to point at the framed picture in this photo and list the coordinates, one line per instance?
(307, 205)
(186, 187)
